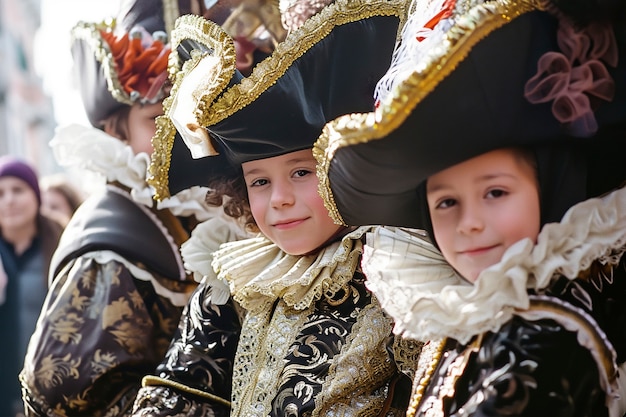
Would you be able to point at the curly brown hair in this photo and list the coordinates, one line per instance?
(237, 204)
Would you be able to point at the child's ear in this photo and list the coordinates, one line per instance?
(108, 129)
(116, 127)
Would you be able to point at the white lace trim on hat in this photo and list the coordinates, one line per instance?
(417, 42)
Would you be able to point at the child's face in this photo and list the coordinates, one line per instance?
(285, 202)
(482, 206)
(142, 126)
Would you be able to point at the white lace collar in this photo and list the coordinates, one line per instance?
(258, 272)
(428, 300)
(104, 159)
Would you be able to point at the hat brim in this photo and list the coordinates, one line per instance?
(326, 68)
(473, 102)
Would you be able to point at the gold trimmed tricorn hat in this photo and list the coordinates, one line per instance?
(327, 67)
(469, 77)
(123, 60)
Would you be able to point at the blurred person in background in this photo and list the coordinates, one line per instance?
(118, 285)
(59, 197)
(27, 241)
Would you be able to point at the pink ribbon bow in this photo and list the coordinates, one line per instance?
(576, 79)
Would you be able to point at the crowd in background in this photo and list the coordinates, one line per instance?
(338, 207)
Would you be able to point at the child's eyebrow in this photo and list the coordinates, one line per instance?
(293, 161)
(482, 178)
(251, 172)
(436, 187)
(492, 176)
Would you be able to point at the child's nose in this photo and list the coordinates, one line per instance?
(282, 195)
(471, 219)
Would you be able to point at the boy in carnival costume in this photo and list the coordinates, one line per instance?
(288, 327)
(118, 285)
(501, 132)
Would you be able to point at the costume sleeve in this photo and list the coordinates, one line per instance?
(528, 368)
(195, 378)
(100, 331)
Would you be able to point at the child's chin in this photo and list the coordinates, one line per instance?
(469, 275)
(298, 249)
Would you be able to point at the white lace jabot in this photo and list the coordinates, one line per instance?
(258, 272)
(428, 300)
(103, 158)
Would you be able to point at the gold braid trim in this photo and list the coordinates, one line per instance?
(215, 39)
(162, 144)
(540, 307)
(296, 44)
(469, 29)
(429, 360)
(90, 34)
(352, 386)
(156, 381)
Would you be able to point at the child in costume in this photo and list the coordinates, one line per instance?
(499, 140)
(118, 285)
(287, 327)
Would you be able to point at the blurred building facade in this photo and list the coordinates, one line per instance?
(37, 89)
(26, 114)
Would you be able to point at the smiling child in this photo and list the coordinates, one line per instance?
(288, 327)
(497, 152)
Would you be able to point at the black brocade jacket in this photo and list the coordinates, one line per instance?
(540, 333)
(195, 378)
(117, 295)
(556, 359)
(336, 357)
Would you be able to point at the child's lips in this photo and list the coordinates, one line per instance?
(288, 224)
(477, 250)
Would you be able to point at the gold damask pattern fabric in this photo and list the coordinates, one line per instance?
(304, 354)
(331, 359)
(102, 330)
(335, 355)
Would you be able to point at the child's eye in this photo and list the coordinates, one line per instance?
(301, 173)
(259, 183)
(447, 203)
(496, 193)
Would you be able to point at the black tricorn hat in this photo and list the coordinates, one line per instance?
(98, 73)
(326, 68)
(462, 94)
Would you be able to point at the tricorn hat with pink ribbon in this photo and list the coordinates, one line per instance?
(474, 76)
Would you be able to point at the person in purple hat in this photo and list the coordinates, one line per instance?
(117, 281)
(27, 240)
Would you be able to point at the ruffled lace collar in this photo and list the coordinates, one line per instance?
(258, 272)
(428, 300)
(106, 159)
